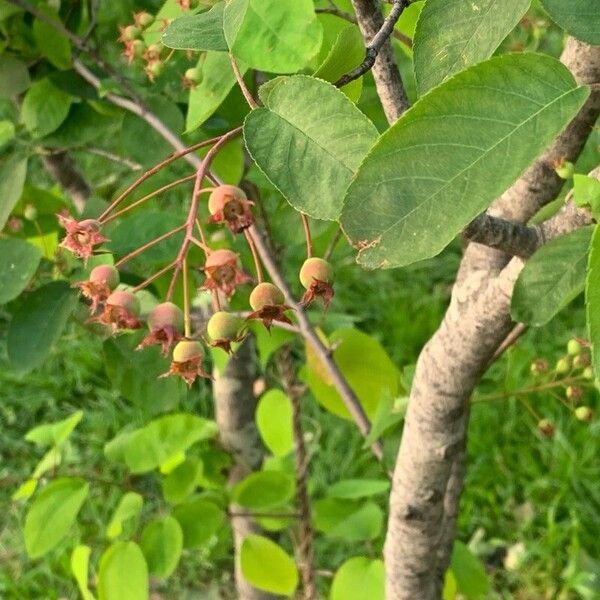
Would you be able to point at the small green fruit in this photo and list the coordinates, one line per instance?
(223, 326)
(573, 347)
(565, 169)
(584, 413)
(105, 275)
(546, 427)
(125, 300)
(588, 373)
(187, 350)
(574, 392)
(155, 69)
(144, 19)
(193, 75)
(131, 32)
(266, 294)
(563, 366)
(582, 360)
(315, 268)
(539, 367)
(164, 315)
(30, 212)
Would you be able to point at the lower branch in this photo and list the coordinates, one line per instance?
(63, 169)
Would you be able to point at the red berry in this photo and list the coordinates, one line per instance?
(188, 350)
(266, 294)
(105, 275)
(125, 300)
(165, 315)
(315, 269)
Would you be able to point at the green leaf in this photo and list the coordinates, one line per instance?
(54, 434)
(162, 544)
(44, 108)
(267, 343)
(265, 489)
(267, 566)
(80, 558)
(451, 36)
(389, 413)
(358, 578)
(456, 150)
(52, 514)
(369, 370)
(14, 76)
(309, 141)
(351, 489)
(586, 192)
(450, 587)
(471, 579)
(12, 179)
(38, 323)
(347, 519)
(123, 573)
(592, 299)
(145, 449)
(19, 261)
(49, 461)
(51, 43)
(217, 81)
(182, 481)
(272, 36)
(7, 132)
(551, 278)
(198, 32)
(580, 18)
(25, 490)
(200, 520)
(274, 421)
(129, 507)
(347, 52)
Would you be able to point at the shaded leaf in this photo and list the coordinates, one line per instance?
(14, 76)
(129, 507)
(162, 544)
(580, 18)
(54, 433)
(19, 261)
(12, 179)
(181, 481)
(265, 489)
(471, 578)
(352, 489)
(44, 108)
(198, 32)
(199, 521)
(80, 558)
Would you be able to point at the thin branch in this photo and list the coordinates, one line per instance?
(255, 257)
(342, 14)
(333, 243)
(131, 164)
(375, 45)
(307, 235)
(240, 80)
(150, 244)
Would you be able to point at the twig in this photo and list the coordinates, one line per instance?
(154, 277)
(131, 164)
(307, 236)
(512, 338)
(333, 243)
(240, 80)
(375, 45)
(257, 265)
(150, 244)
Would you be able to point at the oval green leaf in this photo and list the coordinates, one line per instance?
(592, 300)
(129, 507)
(309, 140)
(162, 544)
(181, 481)
(38, 323)
(12, 179)
(199, 521)
(272, 36)
(274, 421)
(347, 519)
(198, 32)
(451, 36)
(351, 489)
(123, 573)
(265, 489)
(52, 514)
(456, 150)
(358, 578)
(551, 278)
(19, 261)
(80, 558)
(267, 566)
(44, 108)
(580, 18)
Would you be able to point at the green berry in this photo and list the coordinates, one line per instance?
(539, 367)
(584, 413)
(546, 427)
(565, 169)
(193, 75)
(563, 366)
(131, 32)
(588, 373)
(573, 347)
(266, 294)
(574, 392)
(30, 212)
(315, 268)
(223, 326)
(187, 350)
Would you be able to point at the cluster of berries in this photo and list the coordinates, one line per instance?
(575, 371)
(135, 48)
(120, 309)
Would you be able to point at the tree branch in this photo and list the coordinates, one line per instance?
(63, 169)
(385, 71)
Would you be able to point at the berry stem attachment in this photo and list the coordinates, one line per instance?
(186, 302)
(154, 242)
(154, 277)
(137, 203)
(240, 80)
(307, 235)
(257, 265)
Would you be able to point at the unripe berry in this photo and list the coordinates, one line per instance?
(588, 373)
(154, 50)
(581, 360)
(315, 269)
(573, 347)
(584, 413)
(138, 47)
(564, 169)
(155, 69)
(563, 366)
(164, 315)
(125, 300)
(30, 212)
(266, 294)
(222, 195)
(193, 75)
(106, 275)
(143, 19)
(188, 350)
(539, 367)
(223, 326)
(131, 32)
(546, 427)
(574, 392)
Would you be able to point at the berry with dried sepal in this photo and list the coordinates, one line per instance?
(564, 168)
(82, 236)
(143, 19)
(224, 329)
(584, 413)
(129, 33)
(165, 322)
(153, 53)
(582, 360)
(546, 428)
(228, 205)
(588, 373)
(102, 281)
(191, 78)
(316, 276)
(223, 273)
(539, 367)
(267, 302)
(574, 393)
(121, 311)
(134, 49)
(573, 347)
(187, 361)
(154, 69)
(563, 366)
